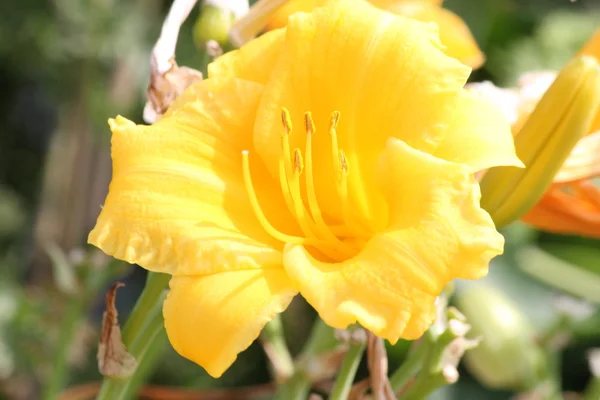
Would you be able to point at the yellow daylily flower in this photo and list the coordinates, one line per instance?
(572, 204)
(454, 33)
(320, 159)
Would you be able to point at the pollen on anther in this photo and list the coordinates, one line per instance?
(343, 161)
(309, 123)
(286, 120)
(298, 161)
(333, 120)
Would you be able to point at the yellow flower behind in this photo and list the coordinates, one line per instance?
(322, 159)
(454, 33)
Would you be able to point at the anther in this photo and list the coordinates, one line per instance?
(286, 120)
(343, 162)
(298, 161)
(309, 123)
(315, 231)
(333, 120)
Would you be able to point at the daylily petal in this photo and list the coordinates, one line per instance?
(252, 62)
(177, 202)
(386, 75)
(437, 233)
(280, 17)
(479, 135)
(211, 319)
(454, 33)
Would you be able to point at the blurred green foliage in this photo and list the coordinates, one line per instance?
(68, 65)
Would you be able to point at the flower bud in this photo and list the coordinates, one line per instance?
(214, 23)
(508, 356)
(562, 117)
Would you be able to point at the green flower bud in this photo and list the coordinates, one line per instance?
(562, 117)
(214, 23)
(508, 356)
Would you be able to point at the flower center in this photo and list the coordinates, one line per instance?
(337, 242)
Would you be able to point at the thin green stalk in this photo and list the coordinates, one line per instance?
(144, 337)
(155, 285)
(410, 367)
(343, 382)
(295, 388)
(298, 386)
(274, 342)
(321, 339)
(428, 361)
(424, 387)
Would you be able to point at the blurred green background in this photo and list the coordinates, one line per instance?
(66, 66)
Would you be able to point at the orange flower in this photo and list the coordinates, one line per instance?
(454, 33)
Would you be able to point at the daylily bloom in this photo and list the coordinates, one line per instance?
(333, 158)
(454, 33)
(572, 204)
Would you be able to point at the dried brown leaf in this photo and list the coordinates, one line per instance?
(378, 368)
(113, 359)
(165, 88)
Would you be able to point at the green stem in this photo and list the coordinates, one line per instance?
(295, 388)
(273, 339)
(155, 285)
(345, 378)
(321, 339)
(592, 392)
(428, 361)
(298, 386)
(423, 387)
(144, 337)
(409, 368)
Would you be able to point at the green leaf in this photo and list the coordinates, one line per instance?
(580, 279)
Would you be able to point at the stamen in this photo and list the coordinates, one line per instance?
(323, 238)
(313, 204)
(286, 120)
(292, 177)
(294, 185)
(347, 214)
(310, 184)
(262, 219)
(341, 167)
(335, 151)
(298, 162)
(343, 162)
(343, 184)
(285, 189)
